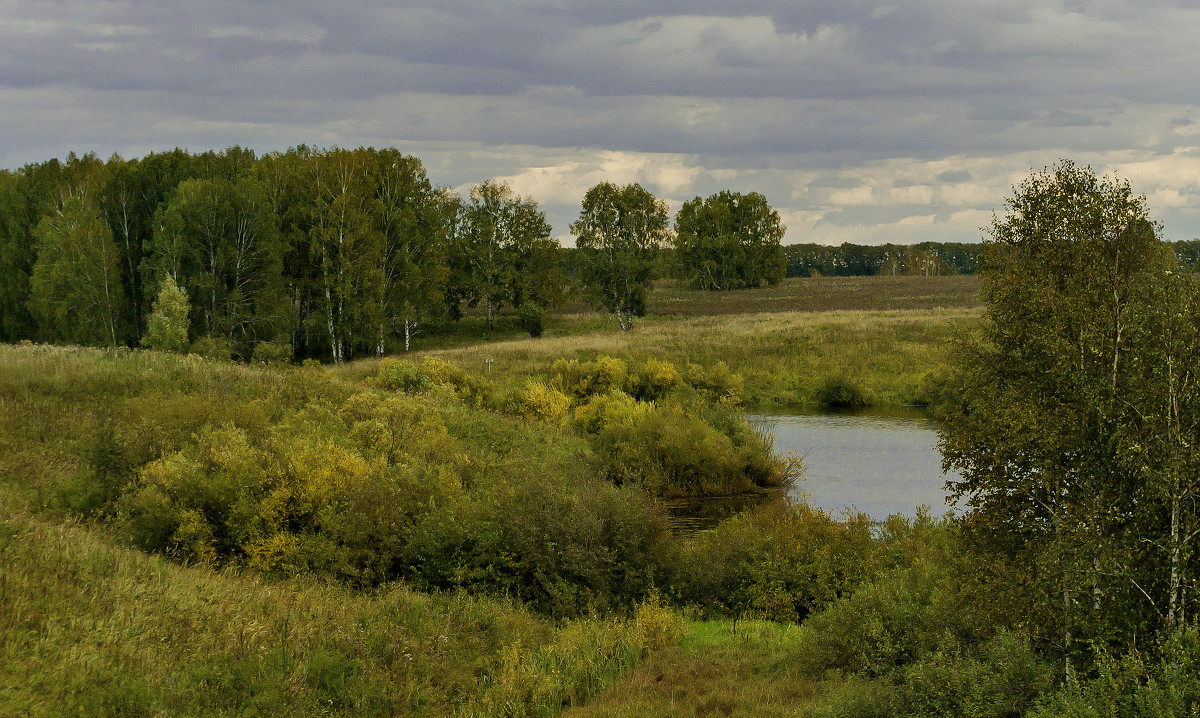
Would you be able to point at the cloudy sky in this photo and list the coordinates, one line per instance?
(860, 121)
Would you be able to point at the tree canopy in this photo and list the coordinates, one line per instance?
(729, 240)
(1078, 413)
(618, 234)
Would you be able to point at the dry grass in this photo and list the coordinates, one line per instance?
(821, 294)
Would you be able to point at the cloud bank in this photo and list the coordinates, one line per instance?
(863, 122)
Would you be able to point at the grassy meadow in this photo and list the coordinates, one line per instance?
(475, 529)
(886, 335)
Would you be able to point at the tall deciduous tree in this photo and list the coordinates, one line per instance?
(26, 196)
(348, 248)
(502, 254)
(619, 232)
(219, 240)
(1078, 415)
(75, 290)
(413, 255)
(729, 241)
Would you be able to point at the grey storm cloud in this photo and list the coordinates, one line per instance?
(881, 119)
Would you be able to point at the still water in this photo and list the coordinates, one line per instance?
(879, 464)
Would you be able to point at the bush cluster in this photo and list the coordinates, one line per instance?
(369, 487)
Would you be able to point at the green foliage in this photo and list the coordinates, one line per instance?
(75, 289)
(502, 253)
(618, 235)
(1136, 684)
(219, 239)
(272, 353)
(1073, 422)
(91, 628)
(430, 374)
(532, 319)
(211, 348)
(729, 241)
(168, 327)
(780, 563)
(680, 449)
(841, 392)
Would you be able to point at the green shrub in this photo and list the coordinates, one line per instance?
(531, 318)
(564, 549)
(781, 562)
(1136, 685)
(675, 449)
(839, 392)
(717, 382)
(402, 375)
(211, 348)
(272, 353)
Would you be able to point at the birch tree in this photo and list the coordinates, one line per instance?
(1058, 411)
(502, 254)
(75, 289)
(619, 232)
(729, 240)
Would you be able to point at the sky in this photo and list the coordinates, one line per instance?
(861, 122)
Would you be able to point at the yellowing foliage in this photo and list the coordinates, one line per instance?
(544, 403)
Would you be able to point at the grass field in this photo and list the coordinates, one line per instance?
(886, 335)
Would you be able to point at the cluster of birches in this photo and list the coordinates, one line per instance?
(332, 252)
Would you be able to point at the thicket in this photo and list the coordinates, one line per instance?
(423, 472)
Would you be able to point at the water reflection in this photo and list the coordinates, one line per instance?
(877, 463)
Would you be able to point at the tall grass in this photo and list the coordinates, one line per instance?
(90, 628)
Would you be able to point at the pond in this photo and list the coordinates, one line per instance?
(878, 463)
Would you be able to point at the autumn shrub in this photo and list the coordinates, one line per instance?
(542, 402)
(679, 448)
(588, 378)
(654, 380)
(614, 408)
(326, 488)
(430, 374)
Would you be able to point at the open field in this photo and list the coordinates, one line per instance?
(886, 335)
(666, 301)
(821, 294)
(784, 357)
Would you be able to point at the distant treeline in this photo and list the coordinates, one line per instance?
(854, 260)
(315, 252)
(340, 252)
(924, 259)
